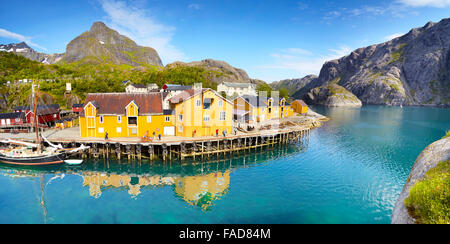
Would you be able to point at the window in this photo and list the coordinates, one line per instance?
(206, 118)
(180, 128)
(119, 130)
(54, 116)
(220, 103)
(206, 105)
(149, 119)
(180, 118)
(222, 116)
(132, 121)
(167, 119)
(199, 103)
(101, 130)
(8, 121)
(134, 131)
(101, 121)
(119, 119)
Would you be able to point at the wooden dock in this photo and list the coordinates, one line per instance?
(195, 148)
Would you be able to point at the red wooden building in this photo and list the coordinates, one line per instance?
(47, 114)
(77, 108)
(12, 119)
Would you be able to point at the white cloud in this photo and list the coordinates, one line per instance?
(18, 37)
(195, 6)
(426, 3)
(137, 24)
(302, 63)
(393, 36)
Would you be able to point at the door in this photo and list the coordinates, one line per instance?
(90, 126)
(169, 130)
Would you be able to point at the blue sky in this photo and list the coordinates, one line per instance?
(270, 39)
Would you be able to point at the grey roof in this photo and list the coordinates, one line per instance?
(255, 101)
(171, 87)
(12, 115)
(238, 85)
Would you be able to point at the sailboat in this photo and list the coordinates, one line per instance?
(23, 153)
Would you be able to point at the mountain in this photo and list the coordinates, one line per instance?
(413, 69)
(293, 85)
(332, 95)
(219, 71)
(24, 50)
(104, 45)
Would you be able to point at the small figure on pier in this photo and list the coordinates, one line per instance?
(195, 132)
(224, 133)
(235, 131)
(106, 136)
(153, 135)
(217, 132)
(159, 136)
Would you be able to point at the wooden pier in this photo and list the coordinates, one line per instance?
(201, 148)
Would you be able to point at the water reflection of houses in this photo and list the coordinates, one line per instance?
(97, 182)
(203, 190)
(199, 190)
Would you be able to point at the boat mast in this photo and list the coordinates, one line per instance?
(35, 115)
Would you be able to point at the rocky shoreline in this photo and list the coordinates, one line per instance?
(428, 159)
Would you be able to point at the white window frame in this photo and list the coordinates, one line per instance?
(180, 117)
(220, 103)
(149, 119)
(101, 120)
(119, 129)
(224, 114)
(167, 119)
(101, 130)
(206, 118)
(180, 128)
(119, 119)
(199, 103)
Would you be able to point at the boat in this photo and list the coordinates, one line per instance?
(23, 153)
(73, 161)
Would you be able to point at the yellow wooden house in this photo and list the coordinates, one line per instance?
(259, 109)
(299, 106)
(250, 109)
(285, 109)
(201, 112)
(125, 115)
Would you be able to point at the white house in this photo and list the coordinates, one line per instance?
(241, 89)
(136, 88)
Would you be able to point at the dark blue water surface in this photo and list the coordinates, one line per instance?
(350, 170)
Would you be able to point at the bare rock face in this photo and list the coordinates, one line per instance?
(333, 96)
(104, 45)
(413, 69)
(436, 152)
(24, 50)
(293, 85)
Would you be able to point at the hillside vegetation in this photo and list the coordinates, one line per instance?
(86, 78)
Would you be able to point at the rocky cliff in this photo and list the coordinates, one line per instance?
(436, 152)
(333, 96)
(413, 69)
(104, 45)
(293, 85)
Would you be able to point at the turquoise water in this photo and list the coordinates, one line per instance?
(351, 170)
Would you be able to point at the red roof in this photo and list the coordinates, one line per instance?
(115, 103)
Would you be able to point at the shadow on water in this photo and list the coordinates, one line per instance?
(197, 182)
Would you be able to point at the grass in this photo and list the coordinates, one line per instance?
(429, 199)
(398, 55)
(447, 135)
